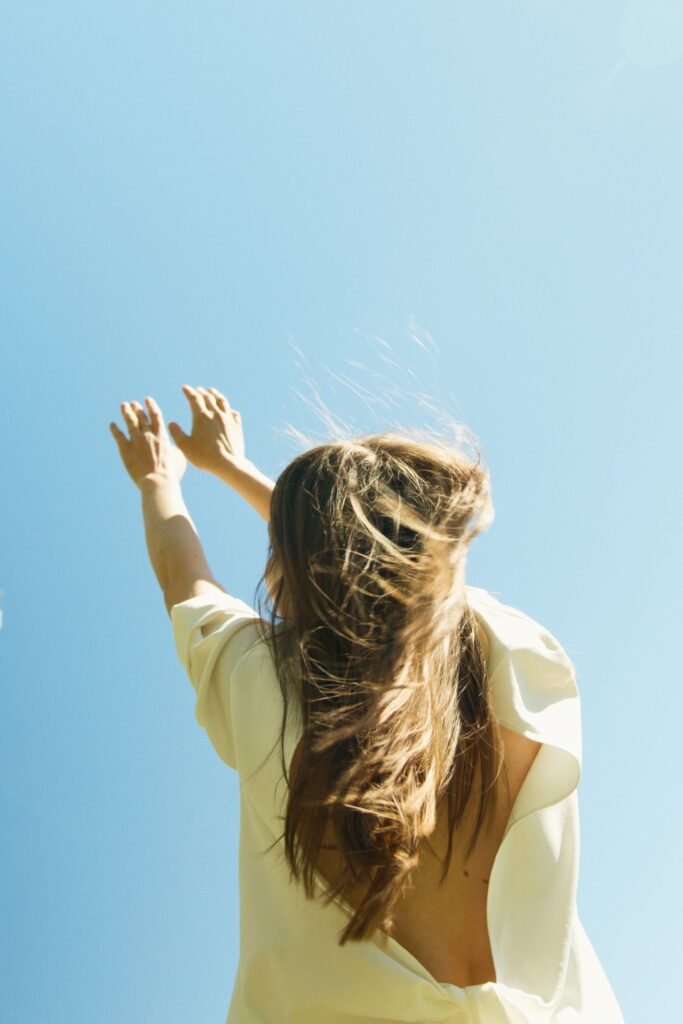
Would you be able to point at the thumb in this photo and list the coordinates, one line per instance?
(178, 434)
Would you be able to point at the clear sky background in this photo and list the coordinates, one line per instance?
(257, 195)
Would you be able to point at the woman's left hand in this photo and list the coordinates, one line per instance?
(148, 450)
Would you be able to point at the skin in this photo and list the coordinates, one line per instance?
(156, 466)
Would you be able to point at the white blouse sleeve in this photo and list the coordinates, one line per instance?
(211, 634)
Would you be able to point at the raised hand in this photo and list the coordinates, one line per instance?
(216, 440)
(148, 450)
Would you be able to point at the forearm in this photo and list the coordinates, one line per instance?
(173, 544)
(253, 485)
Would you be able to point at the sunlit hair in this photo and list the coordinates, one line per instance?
(372, 635)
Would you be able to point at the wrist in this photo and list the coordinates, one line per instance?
(158, 479)
(233, 468)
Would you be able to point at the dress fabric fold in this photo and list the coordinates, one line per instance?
(291, 969)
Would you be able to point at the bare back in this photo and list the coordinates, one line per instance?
(444, 926)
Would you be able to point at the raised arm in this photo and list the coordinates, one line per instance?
(253, 485)
(156, 467)
(216, 444)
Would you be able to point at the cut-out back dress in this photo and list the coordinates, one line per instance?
(291, 968)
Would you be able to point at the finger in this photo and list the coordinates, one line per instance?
(155, 415)
(143, 422)
(222, 401)
(119, 435)
(130, 418)
(195, 399)
(178, 434)
(209, 400)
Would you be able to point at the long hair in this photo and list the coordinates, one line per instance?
(377, 644)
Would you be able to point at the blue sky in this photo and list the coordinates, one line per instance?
(254, 196)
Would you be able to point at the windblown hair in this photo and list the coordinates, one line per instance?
(377, 644)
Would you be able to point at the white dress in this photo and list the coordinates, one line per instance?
(291, 968)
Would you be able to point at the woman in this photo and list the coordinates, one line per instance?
(408, 746)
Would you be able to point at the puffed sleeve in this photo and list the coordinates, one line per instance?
(212, 633)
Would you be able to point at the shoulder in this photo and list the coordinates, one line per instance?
(533, 681)
(214, 628)
(508, 627)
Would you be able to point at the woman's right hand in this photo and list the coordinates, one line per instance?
(217, 440)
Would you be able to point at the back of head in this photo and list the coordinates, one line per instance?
(369, 539)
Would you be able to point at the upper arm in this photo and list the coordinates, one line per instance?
(185, 589)
(213, 631)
